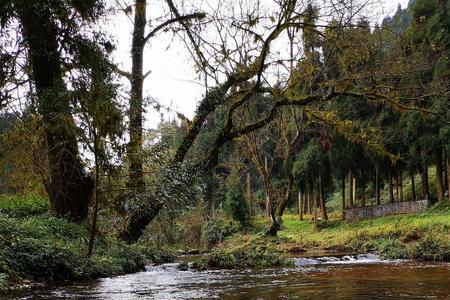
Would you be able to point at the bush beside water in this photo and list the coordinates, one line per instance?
(247, 256)
(35, 245)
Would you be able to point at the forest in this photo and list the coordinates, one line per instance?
(322, 128)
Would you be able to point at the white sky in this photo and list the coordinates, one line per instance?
(172, 80)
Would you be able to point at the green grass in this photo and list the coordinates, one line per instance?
(356, 233)
(423, 236)
(34, 245)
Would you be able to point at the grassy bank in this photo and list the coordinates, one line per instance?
(37, 246)
(423, 236)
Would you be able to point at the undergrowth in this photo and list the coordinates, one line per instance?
(255, 253)
(34, 245)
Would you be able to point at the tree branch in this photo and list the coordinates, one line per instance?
(198, 52)
(121, 72)
(177, 19)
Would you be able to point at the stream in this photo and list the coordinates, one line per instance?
(363, 276)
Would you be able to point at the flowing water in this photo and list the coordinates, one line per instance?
(345, 277)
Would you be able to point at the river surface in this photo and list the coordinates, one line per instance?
(345, 277)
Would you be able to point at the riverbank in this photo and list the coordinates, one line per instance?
(424, 236)
(356, 277)
(36, 247)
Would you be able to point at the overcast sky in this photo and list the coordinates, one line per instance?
(172, 80)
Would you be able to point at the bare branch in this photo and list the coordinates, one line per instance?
(177, 19)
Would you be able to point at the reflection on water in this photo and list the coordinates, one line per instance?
(346, 277)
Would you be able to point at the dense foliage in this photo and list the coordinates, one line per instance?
(36, 245)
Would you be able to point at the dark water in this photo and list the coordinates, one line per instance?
(349, 277)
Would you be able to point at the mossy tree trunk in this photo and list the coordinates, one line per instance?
(136, 172)
(68, 185)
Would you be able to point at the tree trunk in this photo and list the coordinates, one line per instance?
(93, 229)
(136, 173)
(354, 190)
(249, 192)
(350, 192)
(343, 197)
(308, 201)
(391, 186)
(287, 166)
(300, 205)
(363, 189)
(323, 208)
(397, 184)
(377, 187)
(316, 205)
(68, 186)
(448, 176)
(413, 186)
(444, 164)
(305, 202)
(400, 185)
(425, 185)
(267, 182)
(439, 180)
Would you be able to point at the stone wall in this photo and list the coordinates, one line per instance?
(368, 212)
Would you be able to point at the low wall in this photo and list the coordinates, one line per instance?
(358, 213)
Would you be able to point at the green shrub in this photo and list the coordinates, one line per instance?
(18, 206)
(388, 248)
(216, 230)
(439, 207)
(253, 256)
(3, 281)
(235, 204)
(322, 224)
(43, 247)
(433, 247)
